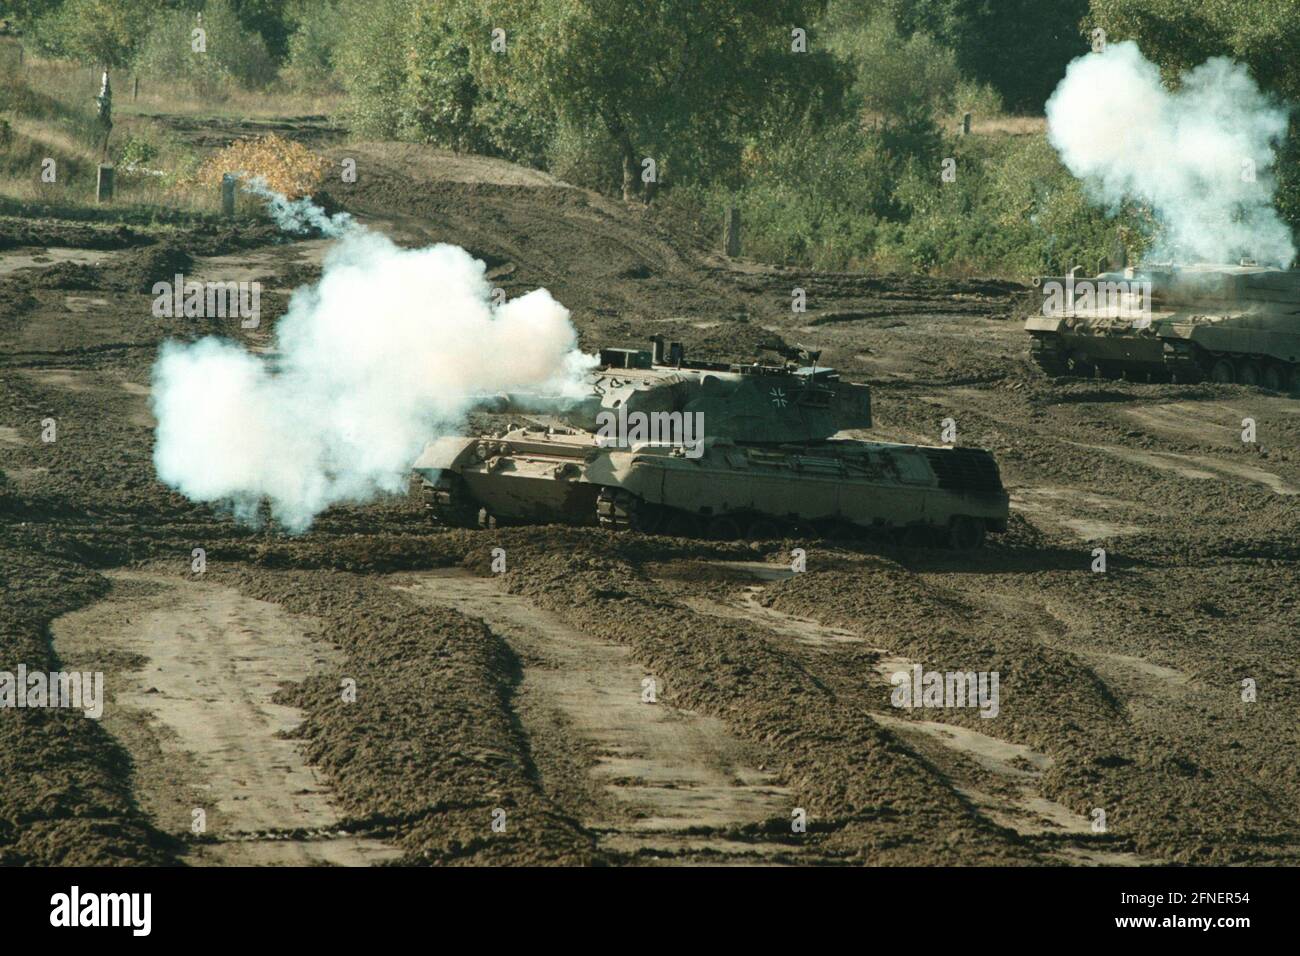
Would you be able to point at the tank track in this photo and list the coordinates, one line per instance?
(620, 510)
(450, 503)
(1045, 350)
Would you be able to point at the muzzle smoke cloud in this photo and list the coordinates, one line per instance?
(385, 352)
(1199, 156)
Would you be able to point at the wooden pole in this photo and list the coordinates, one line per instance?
(731, 232)
(228, 195)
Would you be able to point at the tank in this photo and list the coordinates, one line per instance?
(1172, 323)
(659, 444)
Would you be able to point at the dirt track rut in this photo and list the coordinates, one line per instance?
(192, 672)
(674, 782)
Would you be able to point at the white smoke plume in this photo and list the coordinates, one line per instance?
(1199, 156)
(381, 355)
(296, 215)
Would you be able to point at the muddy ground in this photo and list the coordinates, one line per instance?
(372, 692)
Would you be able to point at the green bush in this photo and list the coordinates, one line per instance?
(843, 198)
(894, 76)
(314, 47)
(816, 197)
(1019, 47)
(93, 32)
(1012, 209)
(136, 152)
(371, 65)
(406, 66)
(233, 55)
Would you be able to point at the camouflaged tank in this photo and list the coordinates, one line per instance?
(1172, 323)
(761, 462)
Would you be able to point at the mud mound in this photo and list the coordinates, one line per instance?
(216, 238)
(137, 271)
(40, 233)
(62, 275)
(883, 598)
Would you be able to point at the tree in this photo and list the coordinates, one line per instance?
(1180, 34)
(270, 18)
(1020, 47)
(100, 33)
(682, 82)
(26, 11)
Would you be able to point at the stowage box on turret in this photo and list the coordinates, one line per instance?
(660, 444)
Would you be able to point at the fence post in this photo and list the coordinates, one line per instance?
(228, 195)
(104, 183)
(731, 232)
(965, 124)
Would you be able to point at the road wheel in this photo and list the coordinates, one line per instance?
(682, 525)
(765, 529)
(965, 533)
(1273, 377)
(1223, 372)
(1248, 372)
(723, 528)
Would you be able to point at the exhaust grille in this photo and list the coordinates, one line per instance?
(965, 469)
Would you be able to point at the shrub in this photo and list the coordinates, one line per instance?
(287, 167)
(314, 48)
(232, 55)
(136, 152)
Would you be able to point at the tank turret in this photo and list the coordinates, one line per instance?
(796, 401)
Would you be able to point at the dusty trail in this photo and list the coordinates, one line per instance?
(669, 782)
(191, 672)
